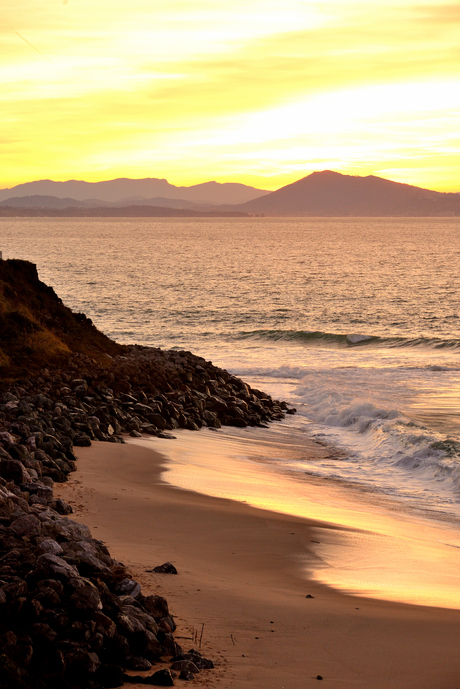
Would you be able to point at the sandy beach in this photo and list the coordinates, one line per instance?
(243, 574)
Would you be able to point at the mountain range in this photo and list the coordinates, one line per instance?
(125, 192)
(325, 193)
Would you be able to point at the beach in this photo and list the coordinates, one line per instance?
(243, 574)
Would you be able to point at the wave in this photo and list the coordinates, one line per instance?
(380, 442)
(317, 337)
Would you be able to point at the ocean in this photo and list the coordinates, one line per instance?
(354, 321)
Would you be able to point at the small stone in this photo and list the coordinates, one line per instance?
(166, 568)
(161, 678)
(181, 665)
(62, 507)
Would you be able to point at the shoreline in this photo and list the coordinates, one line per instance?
(242, 574)
(378, 549)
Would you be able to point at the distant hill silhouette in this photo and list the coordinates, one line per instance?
(323, 193)
(37, 201)
(330, 193)
(133, 191)
(55, 202)
(114, 211)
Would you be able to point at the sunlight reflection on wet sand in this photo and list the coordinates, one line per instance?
(380, 550)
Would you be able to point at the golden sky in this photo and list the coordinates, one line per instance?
(261, 92)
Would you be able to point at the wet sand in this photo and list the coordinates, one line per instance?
(243, 574)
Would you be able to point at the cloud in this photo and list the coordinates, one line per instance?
(251, 82)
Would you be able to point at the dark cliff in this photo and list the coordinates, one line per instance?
(36, 329)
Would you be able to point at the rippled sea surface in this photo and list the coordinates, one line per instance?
(354, 321)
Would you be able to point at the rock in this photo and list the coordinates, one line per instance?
(67, 529)
(137, 663)
(180, 665)
(81, 663)
(128, 587)
(43, 632)
(150, 646)
(62, 507)
(87, 558)
(28, 526)
(157, 606)
(104, 625)
(14, 470)
(48, 597)
(167, 624)
(85, 596)
(158, 421)
(169, 646)
(186, 674)
(7, 507)
(149, 428)
(129, 625)
(195, 657)
(161, 678)
(146, 620)
(53, 567)
(166, 568)
(82, 440)
(109, 676)
(49, 545)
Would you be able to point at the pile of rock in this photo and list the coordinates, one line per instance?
(148, 391)
(70, 616)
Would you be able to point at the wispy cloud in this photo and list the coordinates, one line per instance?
(255, 88)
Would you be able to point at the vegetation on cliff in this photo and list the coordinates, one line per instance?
(36, 329)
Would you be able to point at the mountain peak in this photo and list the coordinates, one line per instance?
(330, 193)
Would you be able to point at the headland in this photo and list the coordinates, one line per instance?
(72, 615)
(79, 610)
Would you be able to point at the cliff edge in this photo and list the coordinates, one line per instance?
(36, 329)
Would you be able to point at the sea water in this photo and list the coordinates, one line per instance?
(354, 321)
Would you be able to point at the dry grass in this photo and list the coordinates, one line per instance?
(4, 359)
(45, 345)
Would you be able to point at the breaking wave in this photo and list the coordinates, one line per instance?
(318, 337)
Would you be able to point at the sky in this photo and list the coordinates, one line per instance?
(262, 92)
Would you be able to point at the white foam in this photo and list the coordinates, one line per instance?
(355, 339)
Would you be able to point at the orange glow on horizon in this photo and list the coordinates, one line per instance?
(261, 92)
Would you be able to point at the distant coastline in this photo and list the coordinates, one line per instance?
(148, 212)
(124, 212)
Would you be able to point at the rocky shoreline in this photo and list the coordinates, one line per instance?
(70, 615)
